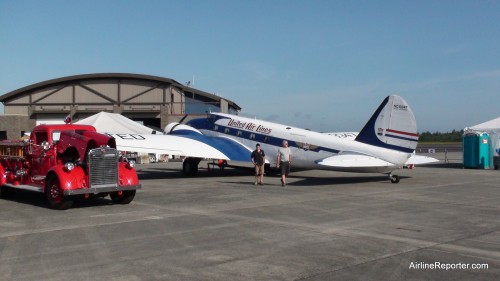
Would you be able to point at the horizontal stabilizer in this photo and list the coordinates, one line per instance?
(353, 160)
(419, 160)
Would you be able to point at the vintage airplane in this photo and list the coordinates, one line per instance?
(384, 145)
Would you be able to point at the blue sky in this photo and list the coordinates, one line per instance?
(324, 65)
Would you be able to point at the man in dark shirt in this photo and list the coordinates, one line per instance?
(258, 159)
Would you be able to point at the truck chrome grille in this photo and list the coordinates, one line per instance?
(103, 167)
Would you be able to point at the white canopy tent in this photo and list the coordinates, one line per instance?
(492, 128)
(114, 123)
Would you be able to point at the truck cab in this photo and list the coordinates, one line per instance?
(40, 152)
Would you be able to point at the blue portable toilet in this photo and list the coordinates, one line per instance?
(476, 151)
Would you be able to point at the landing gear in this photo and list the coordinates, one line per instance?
(190, 166)
(394, 178)
(267, 168)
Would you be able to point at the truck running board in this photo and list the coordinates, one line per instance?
(25, 187)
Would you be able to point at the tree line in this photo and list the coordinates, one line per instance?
(453, 136)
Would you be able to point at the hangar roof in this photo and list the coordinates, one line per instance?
(96, 76)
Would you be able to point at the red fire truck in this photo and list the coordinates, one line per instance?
(65, 162)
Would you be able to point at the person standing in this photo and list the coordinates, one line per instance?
(258, 159)
(284, 161)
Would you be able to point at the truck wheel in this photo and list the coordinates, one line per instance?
(6, 192)
(55, 195)
(124, 198)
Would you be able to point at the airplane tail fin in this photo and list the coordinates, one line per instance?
(392, 126)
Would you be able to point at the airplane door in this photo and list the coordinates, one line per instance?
(298, 146)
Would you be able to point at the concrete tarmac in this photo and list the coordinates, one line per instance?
(440, 222)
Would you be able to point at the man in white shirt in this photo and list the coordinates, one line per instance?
(284, 161)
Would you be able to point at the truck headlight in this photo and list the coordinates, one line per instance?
(131, 164)
(69, 166)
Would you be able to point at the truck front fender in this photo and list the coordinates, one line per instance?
(69, 180)
(126, 175)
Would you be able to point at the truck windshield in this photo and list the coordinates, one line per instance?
(56, 135)
(40, 137)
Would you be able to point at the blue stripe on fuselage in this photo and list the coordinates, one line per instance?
(233, 150)
(206, 124)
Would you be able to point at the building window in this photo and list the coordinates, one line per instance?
(195, 106)
(3, 135)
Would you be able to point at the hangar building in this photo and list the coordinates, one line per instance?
(154, 101)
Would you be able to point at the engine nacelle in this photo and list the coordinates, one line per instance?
(176, 128)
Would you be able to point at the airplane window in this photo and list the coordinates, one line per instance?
(252, 136)
(216, 128)
(226, 131)
(266, 139)
(239, 133)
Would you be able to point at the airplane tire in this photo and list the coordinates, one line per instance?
(190, 166)
(268, 171)
(55, 195)
(394, 178)
(125, 198)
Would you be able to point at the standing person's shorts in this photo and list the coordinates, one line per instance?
(259, 169)
(285, 167)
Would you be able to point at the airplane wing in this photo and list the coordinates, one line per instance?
(130, 136)
(353, 160)
(199, 146)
